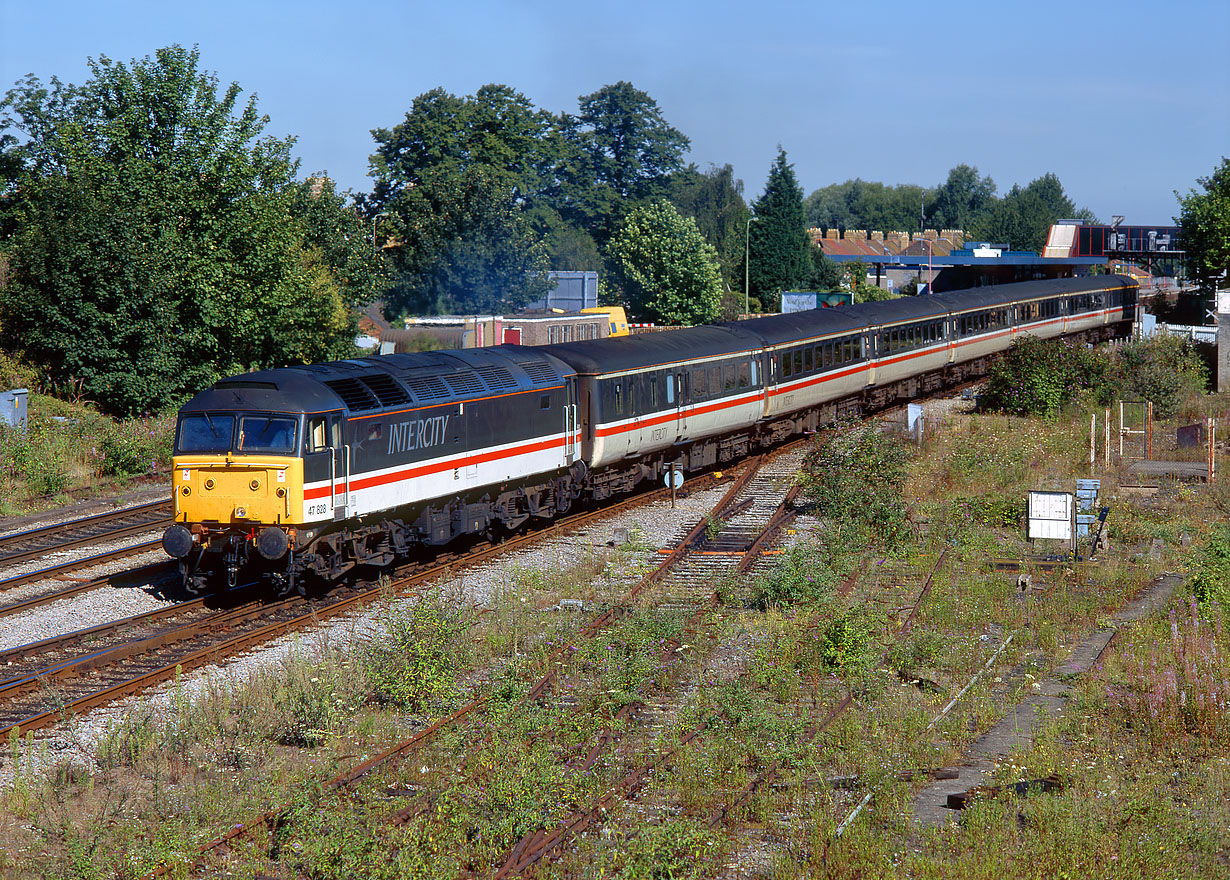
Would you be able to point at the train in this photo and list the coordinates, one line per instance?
(301, 473)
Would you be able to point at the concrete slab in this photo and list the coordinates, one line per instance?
(1017, 729)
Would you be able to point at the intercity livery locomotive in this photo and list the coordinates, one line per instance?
(307, 471)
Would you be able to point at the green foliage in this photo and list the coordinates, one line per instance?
(714, 200)
(961, 199)
(1023, 217)
(307, 707)
(779, 256)
(1211, 582)
(855, 475)
(859, 204)
(1204, 219)
(676, 849)
(1164, 369)
(1040, 376)
(153, 242)
(622, 151)
(413, 661)
(464, 246)
(804, 577)
(846, 640)
(666, 269)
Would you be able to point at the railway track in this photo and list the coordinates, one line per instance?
(56, 678)
(19, 548)
(751, 515)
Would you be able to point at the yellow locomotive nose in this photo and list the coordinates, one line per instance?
(256, 489)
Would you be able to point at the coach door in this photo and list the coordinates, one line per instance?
(570, 423)
(677, 393)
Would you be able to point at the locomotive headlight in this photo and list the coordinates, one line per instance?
(241, 512)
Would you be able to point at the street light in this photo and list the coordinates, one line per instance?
(747, 243)
(930, 273)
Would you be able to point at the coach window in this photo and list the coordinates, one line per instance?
(798, 361)
(808, 363)
(715, 380)
(745, 374)
(653, 379)
(700, 388)
(787, 362)
(728, 376)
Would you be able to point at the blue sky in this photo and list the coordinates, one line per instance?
(1126, 101)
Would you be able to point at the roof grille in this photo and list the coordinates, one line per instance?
(497, 377)
(540, 372)
(428, 388)
(355, 395)
(386, 390)
(465, 383)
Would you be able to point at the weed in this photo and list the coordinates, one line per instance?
(412, 663)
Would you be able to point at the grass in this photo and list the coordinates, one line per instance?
(1143, 794)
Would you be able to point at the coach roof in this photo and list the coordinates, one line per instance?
(647, 350)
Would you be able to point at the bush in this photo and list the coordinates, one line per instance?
(1163, 369)
(1038, 377)
(412, 663)
(855, 475)
(1211, 583)
(802, 578)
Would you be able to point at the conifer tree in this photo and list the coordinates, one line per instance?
(779, 254)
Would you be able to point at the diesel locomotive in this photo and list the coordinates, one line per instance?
(307, 471)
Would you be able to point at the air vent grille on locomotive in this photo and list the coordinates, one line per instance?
(428, 388)
(386, 390)
(540, 373)
(497, 377)
(464, 384)
(354, 394)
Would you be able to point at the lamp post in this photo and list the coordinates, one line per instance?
(930, 273)
(747, 243)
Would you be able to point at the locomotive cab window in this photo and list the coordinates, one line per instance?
(316, 439)
(272, 434)
(205, 432)
(544, 402)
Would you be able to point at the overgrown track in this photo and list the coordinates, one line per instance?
(689, 546)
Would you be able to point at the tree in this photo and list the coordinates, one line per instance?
(961, 199)
(622, 151)
(714, 200)
(462, 244)
(860, 204)
(780, 252)
(154, 247)
(667, 271)
(1023, 217)
(497, 130)
(1204, 219)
